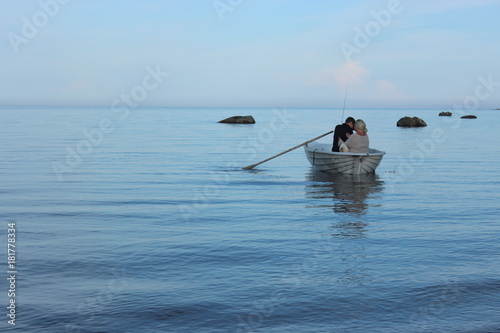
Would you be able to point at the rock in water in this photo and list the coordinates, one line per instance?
(411, 122)
(446, 114)
(238, 120)
(469, 116)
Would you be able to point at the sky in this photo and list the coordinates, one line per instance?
(250, 53)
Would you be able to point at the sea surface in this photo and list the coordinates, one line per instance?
(143, 220)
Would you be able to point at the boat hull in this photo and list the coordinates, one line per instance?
(323, 159)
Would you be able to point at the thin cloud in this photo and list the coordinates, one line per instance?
(387, 90)
(352, 74)
(356, 77)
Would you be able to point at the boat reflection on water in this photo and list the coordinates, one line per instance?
(347, 196)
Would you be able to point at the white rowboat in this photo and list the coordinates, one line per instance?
(322, 158)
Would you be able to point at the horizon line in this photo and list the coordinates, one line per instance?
(232, 107)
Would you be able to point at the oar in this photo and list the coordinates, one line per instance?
(286, 151)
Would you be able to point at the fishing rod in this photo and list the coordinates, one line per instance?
(343, 109)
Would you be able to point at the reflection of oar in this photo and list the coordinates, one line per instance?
(286, 151)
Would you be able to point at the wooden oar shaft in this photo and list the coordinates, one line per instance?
(286, 151)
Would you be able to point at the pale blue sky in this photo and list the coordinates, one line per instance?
(255, 53)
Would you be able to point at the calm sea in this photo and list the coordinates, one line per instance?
(143, 220)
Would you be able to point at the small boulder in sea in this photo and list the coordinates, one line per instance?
(238, 120)
(469, 116)
(411, 122)
(445, 114)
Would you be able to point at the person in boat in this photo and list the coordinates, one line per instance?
(342, 133)
(358, 142)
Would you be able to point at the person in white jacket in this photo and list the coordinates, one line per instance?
(358, 142)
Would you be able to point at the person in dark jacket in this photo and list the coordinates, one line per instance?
(342, 132)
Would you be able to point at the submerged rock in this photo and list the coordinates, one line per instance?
(238, 120)
(411, 122)
(445, 114)
(469, 116)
